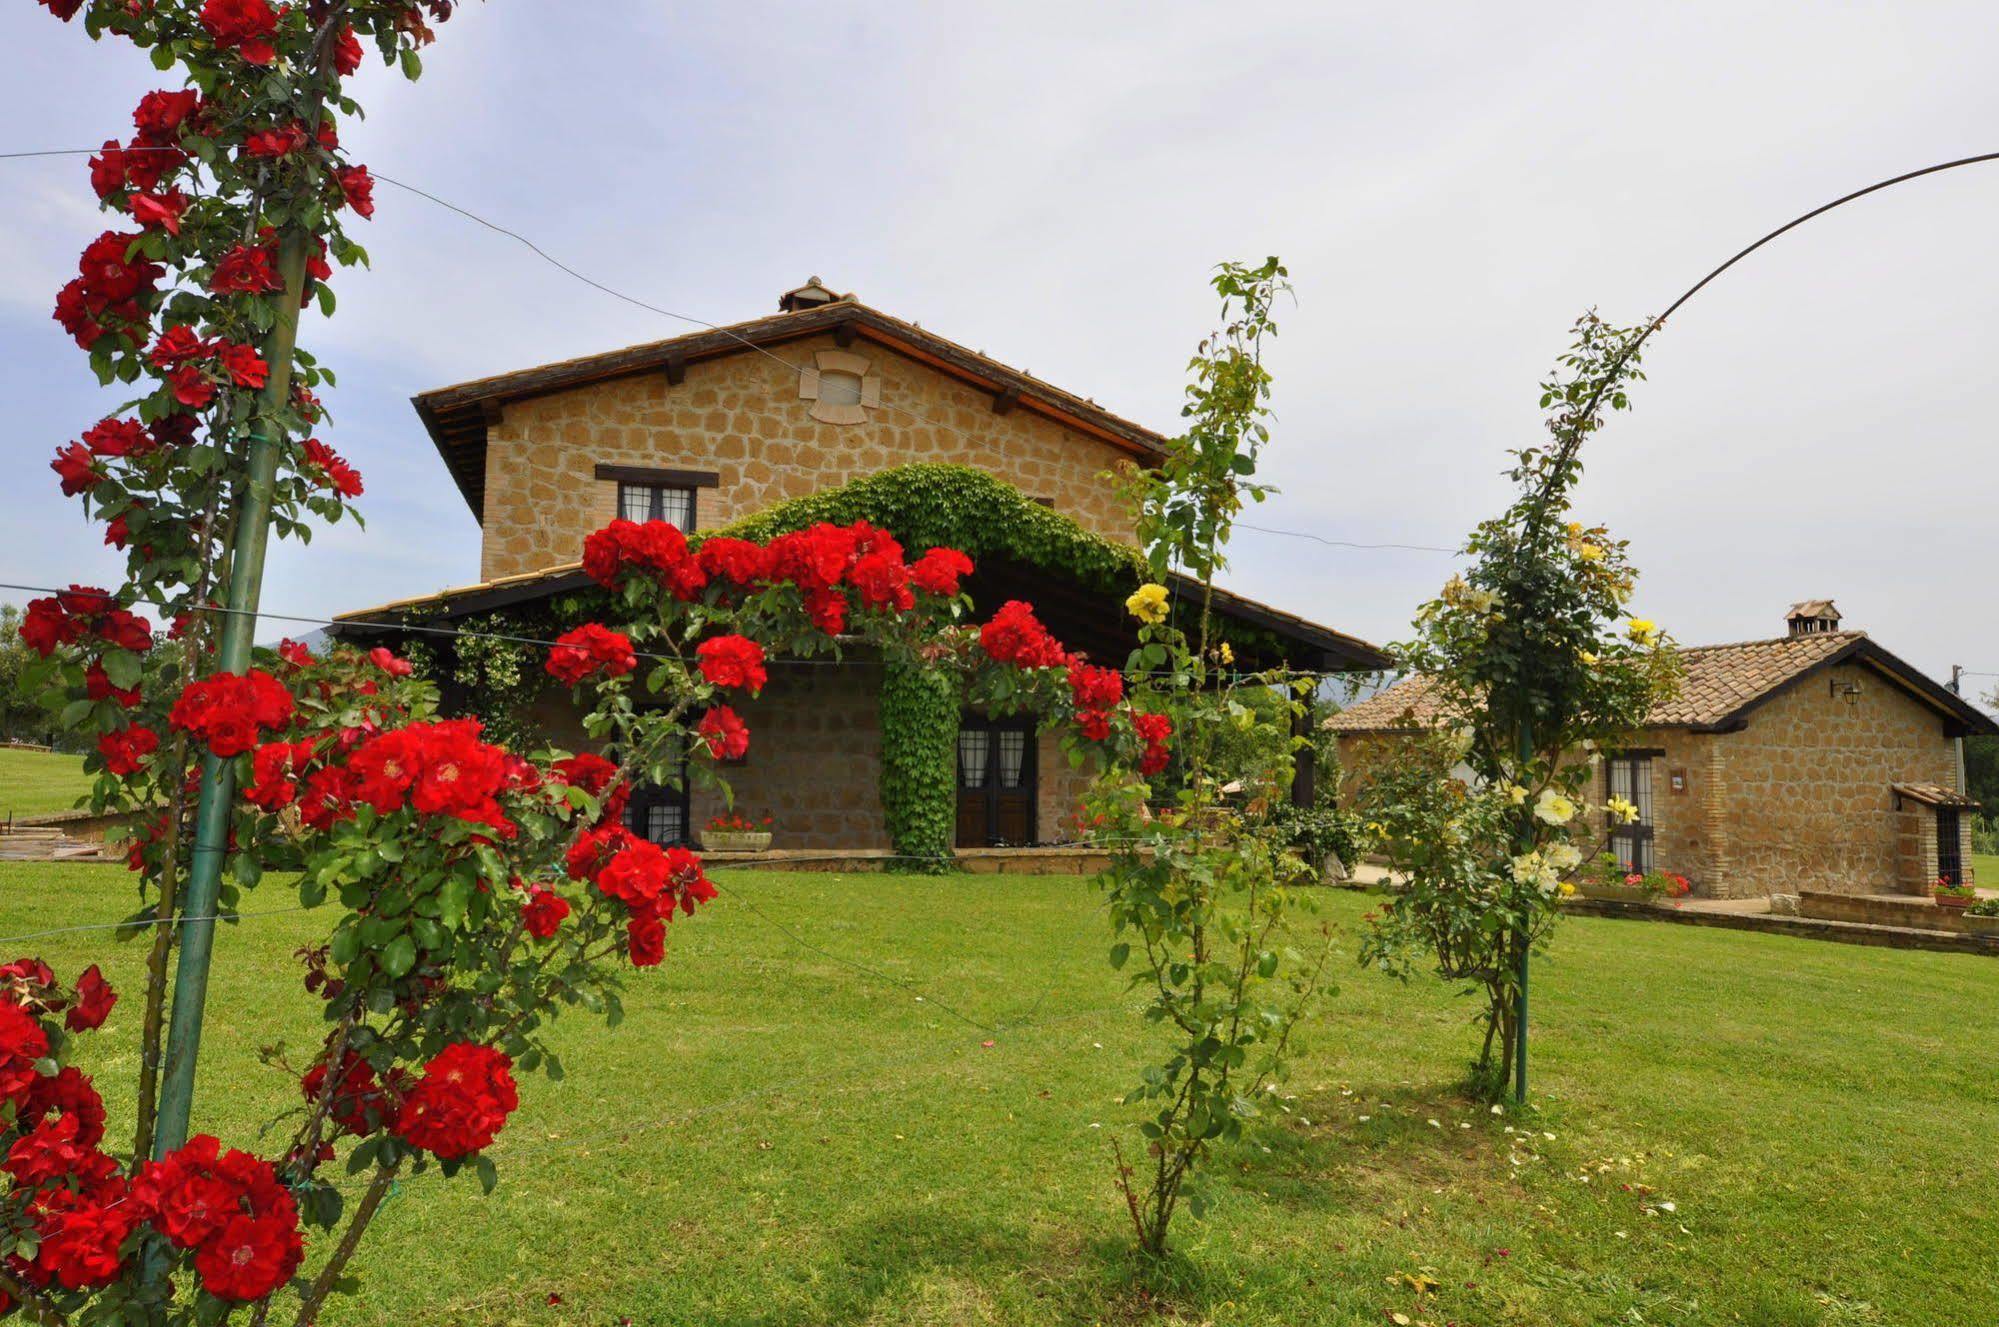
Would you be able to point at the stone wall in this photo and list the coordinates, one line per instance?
(1806, 786)
(814, 764)
(742, 418)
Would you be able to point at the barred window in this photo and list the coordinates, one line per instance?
(657, 502)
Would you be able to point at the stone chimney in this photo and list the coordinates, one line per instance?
(808, 296)
(1812, 617)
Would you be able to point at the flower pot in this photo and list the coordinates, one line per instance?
(1955, 902)
(1617, 893)
(1977, 925)
(735, 840)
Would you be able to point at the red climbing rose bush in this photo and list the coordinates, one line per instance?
(471, 894)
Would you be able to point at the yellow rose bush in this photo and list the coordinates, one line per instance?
(1534, 662)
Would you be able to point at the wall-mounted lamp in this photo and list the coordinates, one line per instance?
(1846, 689)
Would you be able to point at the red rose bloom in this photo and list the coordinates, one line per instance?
(1094, 688)
(732, 661)
(67, 1092)
(177, 345)
(1015, 636)
(81, 1231)
(827, 609)
(1153, 730)
(594, 849)
(724, 733)
(746, 565)
(360, 1104)
(97, 686)
(159, 209)
(271, 771)
(543, 912)
(245, 367)
(192, 388)
(110, 275)
(1095, 725)
(655, 547)
(588, 650)
(940, 570)
(117, 437)
(94, 999)
(125, 751)
(245, 270)
(22, 1043)
(460, 1103)
(249, 1257)
(275, 143)
(245, 26)
(383, 658)
(75, 466)
(358, 188)
(645, 940)
(158, 115)
(592, 773)
(48, 1151)
(336, 473)
(347, 51)
(883, 582)
(227, 711)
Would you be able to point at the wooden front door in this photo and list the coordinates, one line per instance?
(996, 760)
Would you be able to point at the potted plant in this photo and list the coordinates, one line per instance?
(1950, 895)
(736, 832)
(1608, 881)
(1983, 916)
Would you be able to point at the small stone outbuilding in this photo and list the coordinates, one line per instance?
(1813, 761)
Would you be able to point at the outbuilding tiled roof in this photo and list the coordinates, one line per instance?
(1721, 683)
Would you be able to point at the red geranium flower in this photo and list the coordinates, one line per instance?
(733, 661)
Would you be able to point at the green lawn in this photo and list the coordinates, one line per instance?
(33, 783)
(1985, 870)
(1734, 1129)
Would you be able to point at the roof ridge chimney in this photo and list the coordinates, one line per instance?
(1812, 617)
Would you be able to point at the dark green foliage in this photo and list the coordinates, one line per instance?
(919, 727)
(925, 506)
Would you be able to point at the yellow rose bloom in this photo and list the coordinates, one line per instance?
(1589, 552)
(1148, 604)
(1622, 809)
(1227, 655)
(1551, 808)
(1644, 631)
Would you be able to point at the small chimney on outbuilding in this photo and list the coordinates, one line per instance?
(808, 296)
(1812, 617)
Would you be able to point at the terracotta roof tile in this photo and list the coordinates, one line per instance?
(1719, 680)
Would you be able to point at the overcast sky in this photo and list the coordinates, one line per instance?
(1051, 183)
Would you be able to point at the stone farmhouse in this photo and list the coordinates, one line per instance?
(1816, 760)
(829, 400)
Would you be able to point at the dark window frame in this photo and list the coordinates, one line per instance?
(1030, 769)
(645, 796)
(1950, 865)
(1636, 841)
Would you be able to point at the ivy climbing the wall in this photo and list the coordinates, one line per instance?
(919, 731)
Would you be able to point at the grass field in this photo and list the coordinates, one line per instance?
(33, 783)
(1733, 1129)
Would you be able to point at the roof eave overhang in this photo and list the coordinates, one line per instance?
(457, 418)
(1960, 717)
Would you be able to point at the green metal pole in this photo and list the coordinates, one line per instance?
(239, 625)
(1526, 754)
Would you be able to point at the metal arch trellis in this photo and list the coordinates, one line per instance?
(1570, 444)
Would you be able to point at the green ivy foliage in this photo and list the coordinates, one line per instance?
(919, 733)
